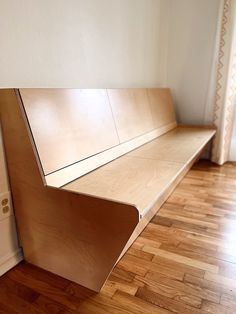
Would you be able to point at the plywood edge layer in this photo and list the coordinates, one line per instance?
(112, 200)
(25, 119)
(73, 172)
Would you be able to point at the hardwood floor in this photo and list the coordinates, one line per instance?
(183, 262)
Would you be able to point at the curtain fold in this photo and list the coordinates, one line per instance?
(225, 95)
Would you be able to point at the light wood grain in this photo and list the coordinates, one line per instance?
(149, 214)
(131, 112)
(161, 105)
(182, 259)
(231, 282)
(3, 178)
(129, 180)
(61, 227)
(65, 233)
(141, 181)
(69, 124)
(178, 145)
(70, 173)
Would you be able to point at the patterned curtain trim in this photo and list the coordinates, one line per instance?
(225, 85)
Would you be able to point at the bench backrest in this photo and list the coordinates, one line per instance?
(78, 130)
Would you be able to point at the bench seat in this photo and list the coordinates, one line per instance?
(89, 169)
(140, 177)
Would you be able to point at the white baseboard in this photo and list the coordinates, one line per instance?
(9, 261)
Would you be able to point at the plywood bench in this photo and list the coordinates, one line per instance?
(89, 169)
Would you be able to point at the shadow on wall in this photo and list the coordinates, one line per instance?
(232, 153)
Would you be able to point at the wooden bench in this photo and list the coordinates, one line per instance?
(89, 169)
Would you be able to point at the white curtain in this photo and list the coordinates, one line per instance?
(225, 95)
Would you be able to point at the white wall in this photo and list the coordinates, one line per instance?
(10, 254)
(112, 43)
(78, 43)
(192, 35)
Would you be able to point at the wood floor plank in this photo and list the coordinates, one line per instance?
(150, 242)
(193, 221)
(182, 259)
(112, 286)
(138, 305)
(165, 302)
(174, 294)
(194, 255)
(154, 279)
(212, 240)
(47, 305)
(47, 290)
(228, 300)
(213, 308)
(17, 303)
(121, 275)
(95, 303)
(217, 287)
(220, 279)
(186, 269)
(57, 282)
(140, 253)
(160, 234)
(4, 309)
(185, 245)
(199, 245)
(141, 267)
(18, 289)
